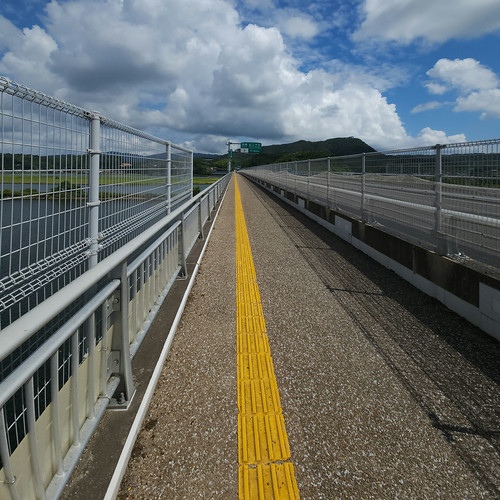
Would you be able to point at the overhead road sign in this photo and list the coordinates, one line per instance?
(251, 147)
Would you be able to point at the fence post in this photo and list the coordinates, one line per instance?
(104, 349)
(169, 177)
(191, 166)
(32, 440)
(75, 403)
(91, 357)
(200, 218)
(120, 344)
(213, 193)
(308, 180)
(56, 426)
(328, 168)
(183, 246)
(10, 479)
(296, 174)
(438, 201)
(93, 201)
(363, 187)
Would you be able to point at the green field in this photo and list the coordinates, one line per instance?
(70, 185)
(204, 180)
(104, 180)
(74, 179)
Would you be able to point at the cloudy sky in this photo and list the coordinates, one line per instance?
(396, 73)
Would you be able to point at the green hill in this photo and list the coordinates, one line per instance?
(294, 151)
(332, 147)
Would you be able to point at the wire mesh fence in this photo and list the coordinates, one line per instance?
(54, 224)
(43, 144)
(444, 197)
(132, 186)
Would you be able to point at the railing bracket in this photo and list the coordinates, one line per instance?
(113, 365)
(120, 403)
(113, 303)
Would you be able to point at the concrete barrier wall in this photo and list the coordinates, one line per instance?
(470, 293)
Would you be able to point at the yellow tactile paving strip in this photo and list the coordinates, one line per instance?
(263, 451)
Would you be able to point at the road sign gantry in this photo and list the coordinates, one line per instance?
(245, 147)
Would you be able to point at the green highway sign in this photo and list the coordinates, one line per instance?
(251, 147)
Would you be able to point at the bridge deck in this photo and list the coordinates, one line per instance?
(385, 393)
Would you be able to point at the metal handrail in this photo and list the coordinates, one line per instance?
(18, 332)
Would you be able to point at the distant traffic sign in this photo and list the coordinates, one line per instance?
(251, 147)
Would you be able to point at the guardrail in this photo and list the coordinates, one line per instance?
(51, 402)
(444, 198)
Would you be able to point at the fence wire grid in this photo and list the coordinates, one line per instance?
(47, 237)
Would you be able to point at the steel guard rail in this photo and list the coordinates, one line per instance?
(51, 403)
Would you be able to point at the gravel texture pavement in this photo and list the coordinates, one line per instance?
(386, 393)
(187, 448)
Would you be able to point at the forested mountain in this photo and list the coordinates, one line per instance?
(333, 147)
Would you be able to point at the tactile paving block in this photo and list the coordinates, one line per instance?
(252, 342)
(255, 366)
(263, 448)
(272, 481)
(258, 396)
(262, 439)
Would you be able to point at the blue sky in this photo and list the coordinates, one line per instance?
(396, 73)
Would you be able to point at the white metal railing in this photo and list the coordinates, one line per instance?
(445, 197)
(97, 219)
(51, 402)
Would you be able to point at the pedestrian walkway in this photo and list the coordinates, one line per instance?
(384, 392)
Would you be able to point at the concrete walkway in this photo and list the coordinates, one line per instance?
(385, 393)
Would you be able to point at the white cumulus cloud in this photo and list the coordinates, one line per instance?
(464, 74)
(436, 88)
(477, 85)
(436, 21)
(299, 27)
(26, 53)
(430, 136)
(193, 72)
(485, 101)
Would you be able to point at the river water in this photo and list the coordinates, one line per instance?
(121, 189)
(33, 229)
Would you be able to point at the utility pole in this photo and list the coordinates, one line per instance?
(229, 154)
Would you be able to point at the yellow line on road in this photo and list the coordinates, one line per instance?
(265, 470)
